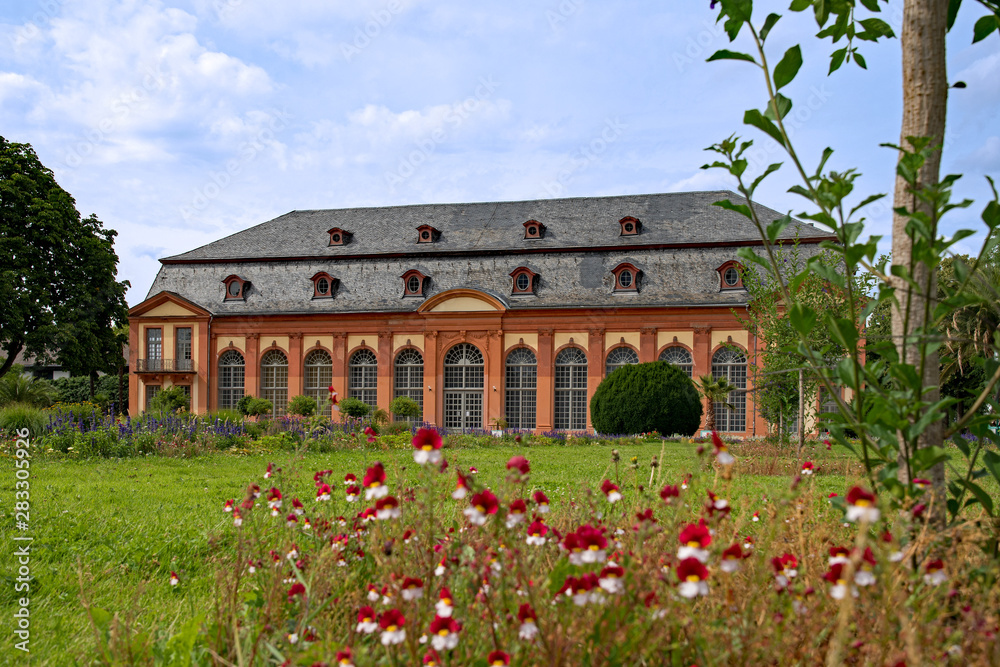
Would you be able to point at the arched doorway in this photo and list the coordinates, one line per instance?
(463, 387)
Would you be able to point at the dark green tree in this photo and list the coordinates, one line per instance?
(640, 398)
(59, 297)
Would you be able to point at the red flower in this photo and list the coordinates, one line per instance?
(692, 575)
(520, 464)
(696, 535)
(861, 505)
(345, 658)
(526, 612)
(296, 589)
(808, 468)
(427, 446)
(413, 588)
(669, 492)
(784, 568)
(537, 532)
(722, 454)
(611, 490)
(483, 504)
(323, 492)
(374, 482)
(498, 659)
(516, 512)
(731, 558)
(542, 501)
(444, 633)
(387, 508)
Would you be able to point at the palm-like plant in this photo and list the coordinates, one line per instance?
(20, 388)
(971, 330)
(716, 390)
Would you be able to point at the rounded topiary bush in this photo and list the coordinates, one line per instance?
(640, 398)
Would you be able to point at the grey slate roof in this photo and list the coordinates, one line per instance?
(580, 222)
(678, 252)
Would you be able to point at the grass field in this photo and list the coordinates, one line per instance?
(116, 528)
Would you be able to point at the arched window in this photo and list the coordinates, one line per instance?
(618, 357)
(678, 356)
(319, 377)
(274, 380)
(363, 383)
(231, 375)
(521, 388)
(463, 387)
(571, 389)
(410, 377)
(732, 365)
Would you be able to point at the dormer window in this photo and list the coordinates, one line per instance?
(324, 285)
(339, 236)
(534, 229)
(630, 226)
(730, 276)
(427, 234)
(523, 281)
(236, 288)
(414, 283)
(627, 277)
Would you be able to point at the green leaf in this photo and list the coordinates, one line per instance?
(802, 318)
(877, 27)
(871, 5)
(726, 54)
(992, 461)
(789, 66)
(775, 228)
(768, 24)
(981, 495)
(757, 181)
(859, 60)
(953, 7)
(837, 59)
(742, 209)
(991, 214)
(800, 5)
(784, 106)
(984, 26)
(757, 119)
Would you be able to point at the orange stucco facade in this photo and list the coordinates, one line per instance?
(442, 321)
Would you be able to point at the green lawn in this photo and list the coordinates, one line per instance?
(123, 525)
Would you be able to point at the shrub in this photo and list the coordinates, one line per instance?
(395, 428)
(380, 417)
(170, 399)
(355, 407)
(251, 405)
(17, 416)
(406, 407)
(302, 405)
(647, 397)
(26, 390)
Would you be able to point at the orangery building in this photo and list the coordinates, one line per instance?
(512, 310)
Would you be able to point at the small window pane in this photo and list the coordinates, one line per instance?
(620, 356)
(625, 278)
(523, 282)
(413, 285)
(234, 288)
(680, 357)
(732, 276)
(322, 286)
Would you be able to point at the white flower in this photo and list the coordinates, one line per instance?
(459, 493)
(725, 458)
(729, 565)
(475, 516)
(864, 577)
(367, 627)
(393, 636)
(376, 492)
(423, 456)
(413, 593)
(612, 585)
(238, 521)
(935, 578)
(293, 638)
(692, 552)
(444, 642)
(592, 556)
(690, 589)
(388, 513)
(536, 540)
(439, 570)
(528, 630)
(443, 609)
(614, 497)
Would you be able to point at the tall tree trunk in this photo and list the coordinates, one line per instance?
(925, 96)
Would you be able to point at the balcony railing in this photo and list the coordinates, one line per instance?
(164, 366)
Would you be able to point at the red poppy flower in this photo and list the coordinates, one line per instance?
(427, 445)
(520, 464)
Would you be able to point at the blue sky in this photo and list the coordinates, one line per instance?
(178, 123)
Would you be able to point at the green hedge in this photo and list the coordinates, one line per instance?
(640, 398)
